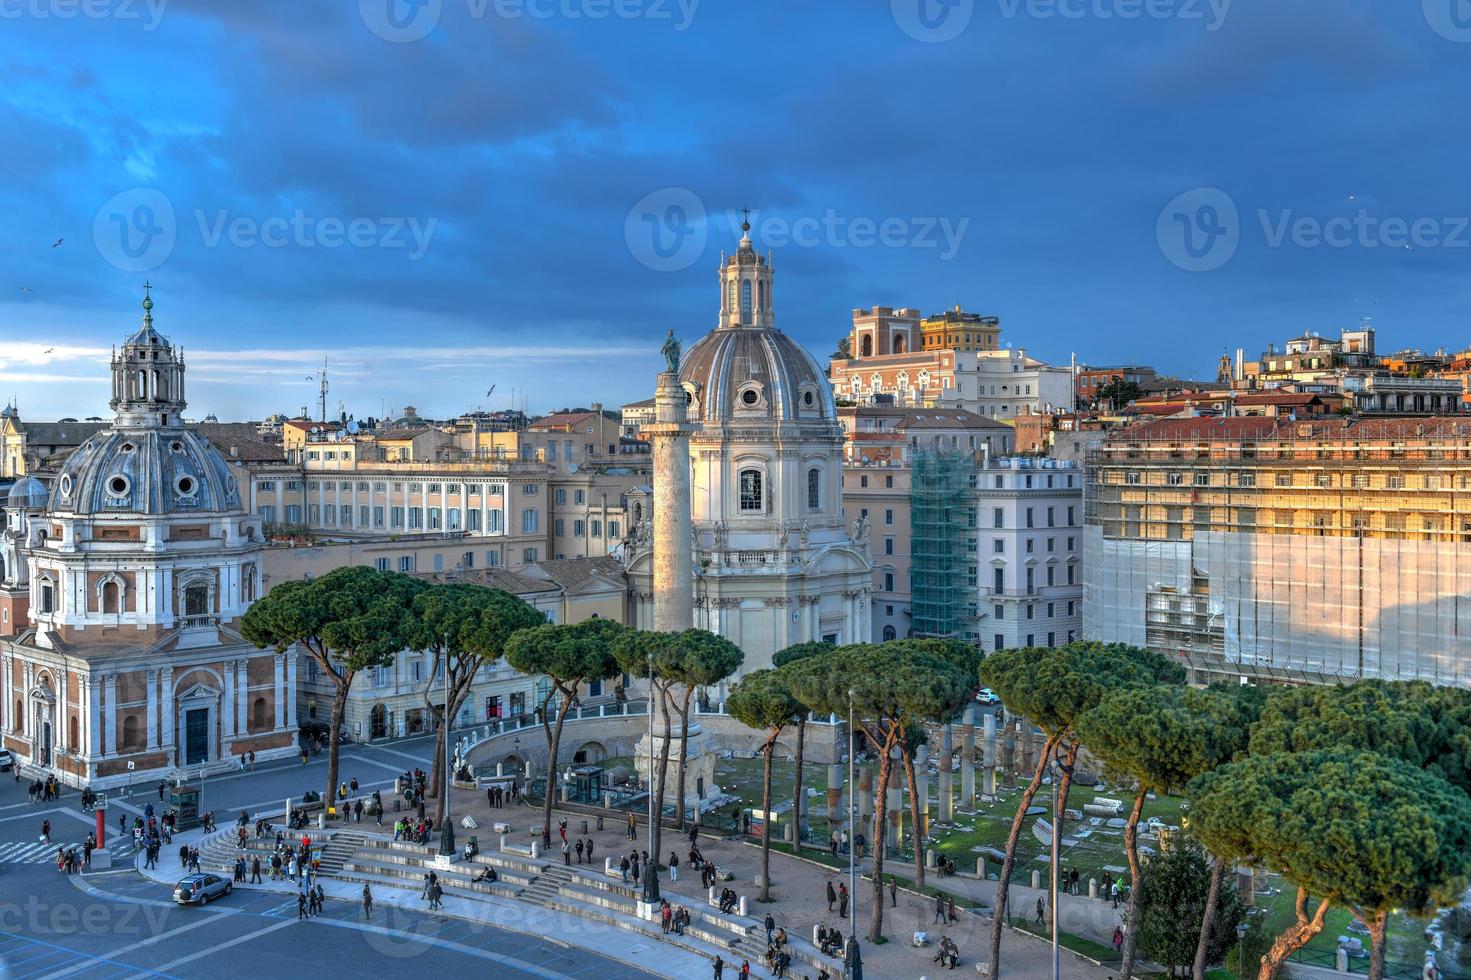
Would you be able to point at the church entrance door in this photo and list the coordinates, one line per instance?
(196, 736)
(46, 743)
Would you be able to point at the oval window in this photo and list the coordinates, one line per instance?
(187, 486)
(118, 486)
(127, 447)
(66, 486)
(807, 399)
(749, 396)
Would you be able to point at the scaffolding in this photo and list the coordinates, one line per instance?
(942, 526)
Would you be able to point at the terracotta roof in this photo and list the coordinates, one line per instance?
(562, 419)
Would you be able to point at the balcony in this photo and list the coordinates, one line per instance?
(199, 622)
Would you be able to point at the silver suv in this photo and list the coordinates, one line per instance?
(200, 888)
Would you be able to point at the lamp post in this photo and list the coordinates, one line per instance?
(852, 959)
(1241, 929)
(447, 827)
(651, 866)
(1057, 805)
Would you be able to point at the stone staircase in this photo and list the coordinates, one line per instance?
(402, 864)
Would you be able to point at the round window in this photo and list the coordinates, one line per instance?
(66, 486)
(186, 486)
(127, 447)
(176, 446)
(117, 486)
(749, 396)
(807, 399)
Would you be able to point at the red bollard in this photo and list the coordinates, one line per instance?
(101, 827)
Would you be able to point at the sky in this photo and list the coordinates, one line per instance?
(444, 196)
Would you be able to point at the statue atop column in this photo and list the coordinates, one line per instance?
(670, 350)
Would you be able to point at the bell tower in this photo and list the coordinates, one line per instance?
(148, 377)
(745, 285)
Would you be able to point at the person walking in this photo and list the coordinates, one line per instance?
(1041, 910)
(832, 895)
(719, 968)
(770, 925)
(566, 852)
(939, 908)
(45, 831)
(623, 869)
(893, 892)
(589, 850)
(367, 901)
(951, 909)
(320, 897)
(579, 850)
(634, 856)
(300, 905)
(1118, 939)
(436, 897)
(842, 899)
(632, 827)
(255, 870)
(161, 787)
(673, 866)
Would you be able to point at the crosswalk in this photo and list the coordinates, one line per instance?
(36, 852)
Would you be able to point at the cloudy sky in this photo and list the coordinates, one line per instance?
(444, 195)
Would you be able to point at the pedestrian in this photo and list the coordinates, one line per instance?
(832, 844)
(719, 968)
(939, 908)
(428, 880)
(673, 866)
(566, 852)
(1041, 909)
(183, 853)
(632, 827)
(255, 870)
(251, 754)
(893, 892)
(589, 850)
(842, 900)
(579, 850)
(367, 901)
(436, 896)
(694, 833)
(745, 970)
(161, 787)
(1118, 939)
(623, 869)
(953, 916)
(321, 898)
(635, 867)
(46, 831)
(301, 905)
(832, 895)
(770, 924)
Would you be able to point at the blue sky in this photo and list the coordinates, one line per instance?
(444, 195)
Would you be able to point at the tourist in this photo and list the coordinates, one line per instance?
(893, 892)
(673, 866)
(939, 908)
(1041, 909)
(579, 850)
(589, 850)
(832, 895)
(367, 901)
(842, 900)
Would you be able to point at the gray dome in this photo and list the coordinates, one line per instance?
(151, 472)
(741, 372)
(28, 493)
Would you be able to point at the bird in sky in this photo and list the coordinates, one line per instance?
(25, 289)
(48, 350)
(57, 243)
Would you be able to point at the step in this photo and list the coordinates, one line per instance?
(417, 872)
(514, 872)
(404, 883)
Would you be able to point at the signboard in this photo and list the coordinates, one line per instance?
(100, 803)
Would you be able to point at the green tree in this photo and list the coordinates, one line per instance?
(1179, 887)
(655, 657)
(763, 700)
(892, 688)
(1160, 737)
(1117, 392)
(698, 658)
(790, 655)
(349, 620)
(464, 627)
(1053, 687)
(568, 655)
(1354, 829)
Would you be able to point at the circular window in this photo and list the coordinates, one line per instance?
(186, 486)
(118, 486)
(66, 486)
(749, 396)
(807, 399)
(176, 446)
(127, 447)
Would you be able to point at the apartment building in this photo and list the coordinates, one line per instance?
(1273, 549)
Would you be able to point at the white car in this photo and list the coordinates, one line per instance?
(7, 761)
(987, 696)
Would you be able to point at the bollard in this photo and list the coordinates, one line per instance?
(1036, 877)
(584, 825)
(536, 853)
(815, 927)
(981, 867)
(600, 817)
(714, 900)
(1092, 887)
(1340, 960)
(608, 868)
(742, 907)
(930, 861)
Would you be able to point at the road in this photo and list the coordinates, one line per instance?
(117, 924)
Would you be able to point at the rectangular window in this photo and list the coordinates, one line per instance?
(382, 676)
(888, 581)
(1000, 642)
(561, 496)
(406, 563)
(416, 517)
(267, 513)
(452, 518)
(578, 529)
(492, 559)
(579, 497)
(750, 490)
(1000, 613)
(416, 670)
(998, 580)
(497, 522)
(997, 517)
(889, 517)
(998, 546)
(381, 564)
(559, 527)
(293, 513)
(528, 555)
(528, 489)
(313, 514)
(467, 560)
(1070, 517)
(597, 529)
(435, 521)
(889, 482)
(472, 520)
(1051, 518)
(1030, 519)
(365, 516)
(888, 546)
(530, 521)
(613, 529)
(439, 563)
(397, 513)
(347, 515)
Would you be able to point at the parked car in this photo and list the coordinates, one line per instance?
(7, 761)
(200, 888)
(987, 696)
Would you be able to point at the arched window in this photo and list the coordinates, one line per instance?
(761, 296)
(110, 595)
(746, 301)
(20, 717)
(258, 715)
(142, 391)
(889, 634)
(924, 380)
(900, 346)
(902, 381)
(857, 385)
(814, 489)
(865, 346)
(750, 485)
(130, 739)
(878, 381)
(378, 722)
(73, 738)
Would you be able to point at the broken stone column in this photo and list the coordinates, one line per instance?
(865, 794)
(988, 758)
(1026, 763)
(1008, 755)
(947, 759)
(922, 805)
(894, 802)
(835, 794)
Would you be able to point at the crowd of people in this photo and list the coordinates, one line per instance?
(69, 861)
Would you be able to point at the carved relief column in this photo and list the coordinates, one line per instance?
(286, 707)
(94, 717)
(166, 706)
(109, 718)
(280, 685)
(152, 718)
(241, 671)
(7, 709)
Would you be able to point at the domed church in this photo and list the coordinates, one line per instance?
(774, 563)
(122, 585)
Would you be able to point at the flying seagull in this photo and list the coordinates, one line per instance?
(48, 350)
(25, 289)
(57, 243)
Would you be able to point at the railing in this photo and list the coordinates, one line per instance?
(198, 622)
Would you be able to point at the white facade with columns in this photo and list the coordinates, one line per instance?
(773, 561)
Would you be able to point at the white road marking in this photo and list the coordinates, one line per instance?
(164, 968)
(208, 918)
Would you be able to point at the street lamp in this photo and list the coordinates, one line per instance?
(447, 826)
(1057, 806)
(651, 866)
(1241, 950)
(852, 960)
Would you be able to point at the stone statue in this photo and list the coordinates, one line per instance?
(804, 533)
(722, 536)
(860, 531)
(670, 350)
(784, 536)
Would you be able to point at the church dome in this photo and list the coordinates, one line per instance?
(742, 372)
(28, 493)
(149, 472)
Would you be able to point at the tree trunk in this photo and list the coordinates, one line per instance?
(554, 744)
(658, 818)
(1376, 924)
(684, 754)
(1059, 815)
(769, 748)
(1003, 884)
(798, 795)
(907, 759)
(1136, 883)
(339, 709)
(1208, 921)
(459, 690)
(1295, 936)
(879, 828)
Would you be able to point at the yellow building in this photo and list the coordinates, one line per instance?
(956, 329)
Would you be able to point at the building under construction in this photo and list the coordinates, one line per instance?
(1275, 549)
(942, 545)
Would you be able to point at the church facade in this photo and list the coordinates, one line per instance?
(773, 561)
(123, 578)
